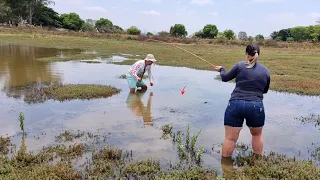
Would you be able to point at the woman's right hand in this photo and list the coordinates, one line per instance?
(218, 68)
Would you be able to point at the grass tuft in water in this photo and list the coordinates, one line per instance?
(189, 152)
(21, 119)
(166, 131)
(80, 91)
(312, 118)
(274, 166)
(142, 168)
(4, 145)
(69, 136)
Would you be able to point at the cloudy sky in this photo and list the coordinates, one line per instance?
(251, 16)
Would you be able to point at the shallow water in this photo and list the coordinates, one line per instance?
(134, 121)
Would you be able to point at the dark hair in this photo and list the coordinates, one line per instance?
(252, 49)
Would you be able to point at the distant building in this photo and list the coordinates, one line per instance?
(92, 22)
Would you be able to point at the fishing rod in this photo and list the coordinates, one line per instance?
(187, 52)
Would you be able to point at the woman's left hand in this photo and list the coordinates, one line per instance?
(218, 68)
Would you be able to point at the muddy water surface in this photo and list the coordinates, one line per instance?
(134, 121)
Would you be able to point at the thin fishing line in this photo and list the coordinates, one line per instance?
(187, 52)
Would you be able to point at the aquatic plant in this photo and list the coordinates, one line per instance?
(69, 136)
(21, 119)
(166, 131)
(189, 151)
(312, 118)
(4, 144)
(80, 91)
(274, 166)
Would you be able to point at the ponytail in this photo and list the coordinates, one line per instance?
(253, 61)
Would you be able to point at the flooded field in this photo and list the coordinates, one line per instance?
(133, 122)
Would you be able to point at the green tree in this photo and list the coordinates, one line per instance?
(259, 37)
(290, 39)
(299, 33)
(18, 9)
(133, 30)
(163, 33)
(149, 34)
(4, 11)
(242, 35)
(250, 38)
(32, 6)
(46, 16)
(274, 35)
(117, 29)
(221, 35)
(210, 31)
(229, 34)
(72, 21)
(104, 25)
(199, 34)
(284, 34)
(87, 27)
(178, 30)
(314, 32)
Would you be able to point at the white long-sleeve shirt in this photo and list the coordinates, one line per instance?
(136, 70)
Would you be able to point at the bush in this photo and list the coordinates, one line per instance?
(133, 30)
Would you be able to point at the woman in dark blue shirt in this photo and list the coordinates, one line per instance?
(252, 81)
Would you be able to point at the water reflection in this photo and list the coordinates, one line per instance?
(31, 93)
(135, 104)
(22, 74)
(227, 167)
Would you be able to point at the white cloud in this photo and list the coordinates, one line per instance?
(265, 1)
(151, 12)
(314, 15)
(213, 14)
(201, 2)
(95, 8)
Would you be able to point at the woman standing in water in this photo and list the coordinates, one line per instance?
(246, 102)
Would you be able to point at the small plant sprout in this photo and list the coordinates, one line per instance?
(21, 119)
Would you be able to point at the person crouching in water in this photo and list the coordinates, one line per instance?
(136, 72)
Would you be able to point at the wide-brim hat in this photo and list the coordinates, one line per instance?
(150, 57)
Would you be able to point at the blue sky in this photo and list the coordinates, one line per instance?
(252, 16)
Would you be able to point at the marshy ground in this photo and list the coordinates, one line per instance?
(159, 134)
(292, 69)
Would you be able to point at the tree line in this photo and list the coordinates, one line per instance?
(37, 12)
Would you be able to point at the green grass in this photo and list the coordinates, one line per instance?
(80, 91)
(292, 69)
(275, 166)
(108, 162)
(4, 145)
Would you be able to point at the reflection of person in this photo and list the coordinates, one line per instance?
(227, 167)
(246, 102)
(135, 104)
(136, 72)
